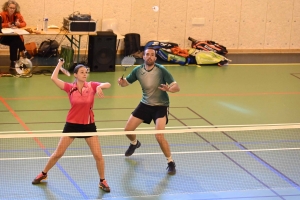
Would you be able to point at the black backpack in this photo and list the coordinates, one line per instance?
(132, 43)
(48, 48)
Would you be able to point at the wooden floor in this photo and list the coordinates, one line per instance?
(225, 165)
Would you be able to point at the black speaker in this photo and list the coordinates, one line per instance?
(102, 52)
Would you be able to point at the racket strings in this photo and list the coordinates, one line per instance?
(128, 61)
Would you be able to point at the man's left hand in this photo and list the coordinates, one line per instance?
(164, 87)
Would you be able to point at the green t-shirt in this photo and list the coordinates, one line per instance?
(150, 81)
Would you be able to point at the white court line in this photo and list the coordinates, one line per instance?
(174, 127)
(142, 154)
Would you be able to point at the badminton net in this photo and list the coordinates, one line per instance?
(219, 158)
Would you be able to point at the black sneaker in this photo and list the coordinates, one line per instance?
(28, 55)
(12, 65)
(132, 148)
(171, 168)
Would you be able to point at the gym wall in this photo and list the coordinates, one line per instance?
(237, 24)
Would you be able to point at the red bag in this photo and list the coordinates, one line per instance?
(31, 48)
(208, 45)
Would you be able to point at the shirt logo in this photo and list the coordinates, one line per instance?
(73, 90)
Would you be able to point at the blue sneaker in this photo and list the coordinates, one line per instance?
(132, 148)
(171, 168)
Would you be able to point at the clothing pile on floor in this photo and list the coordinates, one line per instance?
(201, 52)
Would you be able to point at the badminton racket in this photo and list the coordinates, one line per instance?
(63, 70)
(127, 62)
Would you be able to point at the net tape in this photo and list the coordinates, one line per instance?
(173, 130)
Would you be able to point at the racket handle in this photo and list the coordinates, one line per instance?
(63, 70)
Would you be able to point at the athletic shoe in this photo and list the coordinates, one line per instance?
(104, 186)
(39, 178)
(12, 65)
(132, 148)
(171, 168)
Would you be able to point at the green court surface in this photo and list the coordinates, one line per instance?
(260, 164)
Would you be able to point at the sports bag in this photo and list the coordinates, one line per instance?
(208, 57)
(180, 52)
(67, 53)
(48, 48)
(166, 55)
(209, 45)
(76, 16)
(157, 45)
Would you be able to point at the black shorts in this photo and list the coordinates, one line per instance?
(148, 113)
(73, 128)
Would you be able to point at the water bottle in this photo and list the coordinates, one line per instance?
(38, 25)
(45, 24)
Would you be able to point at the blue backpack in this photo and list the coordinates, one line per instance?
(158, 45)
(166, 55)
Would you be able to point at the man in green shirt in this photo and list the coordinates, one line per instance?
(156, 81)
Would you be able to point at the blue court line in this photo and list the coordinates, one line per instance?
(23, 124)
(68, 176)
(228, 157)
(277, 172)
(85, 196)
(247, 198)
(59, 167)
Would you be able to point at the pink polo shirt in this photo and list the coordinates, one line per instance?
(81, 111)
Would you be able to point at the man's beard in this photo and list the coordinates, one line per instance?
(150, 62)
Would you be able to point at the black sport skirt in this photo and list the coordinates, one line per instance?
(74, 128)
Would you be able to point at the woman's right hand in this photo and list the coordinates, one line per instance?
(61, 61)
(10, 25)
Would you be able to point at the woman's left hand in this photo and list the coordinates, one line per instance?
(100, 92)
(17, 23)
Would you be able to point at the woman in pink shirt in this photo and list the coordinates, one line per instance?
(79, 119)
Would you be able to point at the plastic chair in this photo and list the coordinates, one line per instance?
(112, 25)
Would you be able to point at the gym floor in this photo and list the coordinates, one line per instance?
(252, 90)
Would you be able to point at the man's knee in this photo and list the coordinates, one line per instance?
(160, 138)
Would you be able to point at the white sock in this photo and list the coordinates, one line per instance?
(169, 159)
(134, 142)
